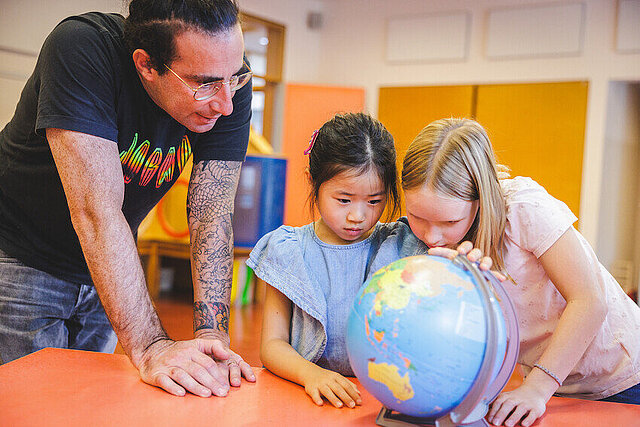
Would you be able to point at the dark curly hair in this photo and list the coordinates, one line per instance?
(354, 141)
(153, 24)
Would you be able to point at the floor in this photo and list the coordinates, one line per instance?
(244, 326)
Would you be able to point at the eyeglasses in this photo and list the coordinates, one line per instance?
(207, 90)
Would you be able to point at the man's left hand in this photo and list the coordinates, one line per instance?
(234, 367)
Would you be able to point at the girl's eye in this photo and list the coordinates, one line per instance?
(344, 200)
(453, 222)
(374, 202)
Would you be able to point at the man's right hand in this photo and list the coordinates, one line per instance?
(181, 366)
(91, 174)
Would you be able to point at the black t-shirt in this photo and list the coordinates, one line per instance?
(85, 81)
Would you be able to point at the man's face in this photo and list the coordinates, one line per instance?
(200, 58)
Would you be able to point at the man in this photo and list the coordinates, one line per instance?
(102, 130)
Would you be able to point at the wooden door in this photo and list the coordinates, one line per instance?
(538, 131)
(406, 110)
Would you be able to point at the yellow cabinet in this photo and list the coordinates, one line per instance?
(537, 129)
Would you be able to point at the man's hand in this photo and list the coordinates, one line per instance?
(233, 366)
(200, 366)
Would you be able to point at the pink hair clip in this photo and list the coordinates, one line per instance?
(311, 142)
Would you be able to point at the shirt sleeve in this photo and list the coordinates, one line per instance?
(76, 82)
(277, 259)
(535, 219)
(395, 241)
(272, 256)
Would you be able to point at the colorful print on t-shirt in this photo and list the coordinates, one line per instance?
(156, 164)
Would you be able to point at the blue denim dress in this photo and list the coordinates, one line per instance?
(322, 280)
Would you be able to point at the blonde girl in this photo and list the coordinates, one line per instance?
(579, 332)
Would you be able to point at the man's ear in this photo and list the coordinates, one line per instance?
(142, 62)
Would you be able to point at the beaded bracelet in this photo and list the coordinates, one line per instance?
(548, 372)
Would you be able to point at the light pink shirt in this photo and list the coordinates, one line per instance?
(535, 221)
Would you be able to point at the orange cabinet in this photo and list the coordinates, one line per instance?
(306, 108)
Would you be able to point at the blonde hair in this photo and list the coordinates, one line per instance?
(455, 158)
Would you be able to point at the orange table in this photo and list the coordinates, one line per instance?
(68, 387)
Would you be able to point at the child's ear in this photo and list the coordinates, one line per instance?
(307, 173)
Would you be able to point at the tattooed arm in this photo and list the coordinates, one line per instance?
(91, 174)
(212, 190)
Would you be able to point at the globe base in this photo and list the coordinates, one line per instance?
(389, 418)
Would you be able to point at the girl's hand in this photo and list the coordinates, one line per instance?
(473, 255)
(334, 387)
(525, 402)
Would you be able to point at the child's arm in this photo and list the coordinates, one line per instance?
(280, 358)
(575, 274)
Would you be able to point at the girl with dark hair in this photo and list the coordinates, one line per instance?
(314, 271)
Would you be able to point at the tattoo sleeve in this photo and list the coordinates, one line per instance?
(212, 190)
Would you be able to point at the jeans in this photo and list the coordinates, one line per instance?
(38, 310)
(630, 395)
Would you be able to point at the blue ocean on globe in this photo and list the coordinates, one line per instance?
(416, 335)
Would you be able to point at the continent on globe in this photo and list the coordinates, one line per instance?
(394, 285)
(417, 335)
(388, 375)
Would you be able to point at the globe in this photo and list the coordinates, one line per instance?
(417, 336)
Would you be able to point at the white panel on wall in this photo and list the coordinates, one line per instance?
(24, 24)
(542, 30)
(436, 37)
(628, 35)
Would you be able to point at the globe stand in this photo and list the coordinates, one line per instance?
(389, 418)
(475, 405)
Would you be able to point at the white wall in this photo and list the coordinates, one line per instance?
(302, 45)
(619, 226)
(349, 50)
(24, 24)
(353, 53)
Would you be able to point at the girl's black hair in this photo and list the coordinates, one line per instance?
(153, 24)
(354, 142)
